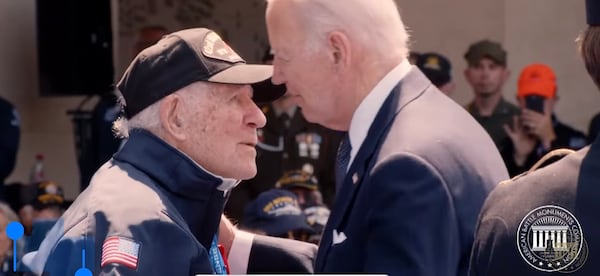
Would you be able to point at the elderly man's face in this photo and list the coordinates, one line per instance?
(308, 75)
(221, 129)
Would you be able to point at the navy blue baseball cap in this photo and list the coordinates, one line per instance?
(275, 212)
(593, 12)
(187, 56)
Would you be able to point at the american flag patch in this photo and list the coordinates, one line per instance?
(118, 250)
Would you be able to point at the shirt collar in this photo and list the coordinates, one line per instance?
(365, 114)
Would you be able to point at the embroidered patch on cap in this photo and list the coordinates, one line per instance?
(214, 47)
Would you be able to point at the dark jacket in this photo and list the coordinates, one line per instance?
(504, 235)
(410, 199)
(160, 206)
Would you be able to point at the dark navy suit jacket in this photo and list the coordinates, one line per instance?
(410, 200)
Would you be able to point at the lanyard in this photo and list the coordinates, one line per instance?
(216, 259)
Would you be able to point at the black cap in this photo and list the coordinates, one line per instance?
(436, 67)
(184, 57)
(593, 12)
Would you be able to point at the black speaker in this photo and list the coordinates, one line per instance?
(74, 47)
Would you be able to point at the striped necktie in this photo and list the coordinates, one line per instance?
(343, 158)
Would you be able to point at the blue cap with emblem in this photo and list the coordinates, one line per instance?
(184, 57)
(593, 12)
(275, 212)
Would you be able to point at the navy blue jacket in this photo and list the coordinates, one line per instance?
(150, 195)
(410, 199)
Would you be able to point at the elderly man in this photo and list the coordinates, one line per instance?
(546, 221)
(414, 168)
(154, 208)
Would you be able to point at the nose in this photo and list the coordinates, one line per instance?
(254, 118)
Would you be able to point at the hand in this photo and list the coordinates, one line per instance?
(540, 126)
(523, 143)
(226, 234)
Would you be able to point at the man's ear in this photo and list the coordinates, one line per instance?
(339, 45)
(170, 113)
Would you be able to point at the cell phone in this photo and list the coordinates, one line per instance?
(535, 103)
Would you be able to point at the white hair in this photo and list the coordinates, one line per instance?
(374, 24)
(147, 119)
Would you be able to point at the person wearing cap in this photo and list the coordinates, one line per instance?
(519, 226)
(48, 205)
(287, 142)
(536, 132)
(153, 209)
(413, 168)
(487, 73)
(305, 186)
(438, 69)
(276, 213)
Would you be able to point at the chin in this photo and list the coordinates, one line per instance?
(246, 173)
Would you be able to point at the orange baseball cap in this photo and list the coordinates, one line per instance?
(537, 79)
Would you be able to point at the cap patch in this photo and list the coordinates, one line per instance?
(214, 47)
(433, 63)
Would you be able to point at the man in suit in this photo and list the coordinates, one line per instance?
(414, 168)
(545, 222)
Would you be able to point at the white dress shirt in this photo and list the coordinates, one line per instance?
(367, 110)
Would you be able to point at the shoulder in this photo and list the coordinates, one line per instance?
(118, 188)
(553, 184)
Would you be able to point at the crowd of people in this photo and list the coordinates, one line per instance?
(335, 155)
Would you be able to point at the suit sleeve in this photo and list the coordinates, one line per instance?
(412, 225)
(278, 255)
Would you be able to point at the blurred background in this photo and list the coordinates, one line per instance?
(95, 44)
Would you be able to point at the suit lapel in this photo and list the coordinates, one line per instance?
(406, 91)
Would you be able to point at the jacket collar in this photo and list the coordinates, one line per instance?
(170, 168)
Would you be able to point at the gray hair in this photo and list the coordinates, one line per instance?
(376, 25)
(147, 119)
